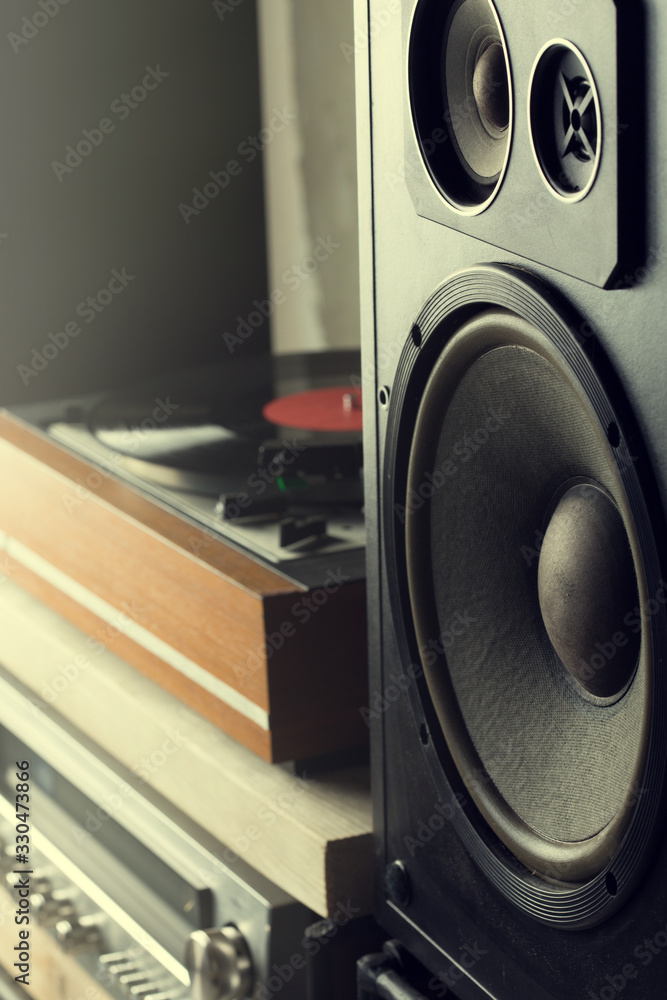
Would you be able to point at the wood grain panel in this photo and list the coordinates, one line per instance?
(178, 597)
(259, 740)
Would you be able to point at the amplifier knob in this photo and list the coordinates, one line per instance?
(219, 964)
(115, 963)
(114, 957)
(76, 936)
(50, 907)
(150, 992)
(40, 881)
(40, 884)
(136, 978)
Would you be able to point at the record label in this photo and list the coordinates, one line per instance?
(332, 409)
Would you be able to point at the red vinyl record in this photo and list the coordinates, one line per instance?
(333, 409)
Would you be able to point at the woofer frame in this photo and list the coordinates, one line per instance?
(465, 294)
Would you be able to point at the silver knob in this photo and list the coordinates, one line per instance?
(114, 957)
(157, 992)
(50, 907)
(219, 964)
(129, 979)
(175, 994)
(76, 936)
(40, 884)
(137, 982)
(145, 990)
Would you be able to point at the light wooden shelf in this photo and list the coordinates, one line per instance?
(312, 837)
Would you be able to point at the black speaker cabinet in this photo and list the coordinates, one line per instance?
(514, 248)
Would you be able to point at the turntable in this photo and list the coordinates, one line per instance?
(208, 527)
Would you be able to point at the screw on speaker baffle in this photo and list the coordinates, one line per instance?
(397, 884)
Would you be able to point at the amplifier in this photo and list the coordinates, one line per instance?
(120, 893)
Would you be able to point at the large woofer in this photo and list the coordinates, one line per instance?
(526, 582)
(461, 96)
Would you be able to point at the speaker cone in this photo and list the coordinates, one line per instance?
(461, 99)
(522, 544)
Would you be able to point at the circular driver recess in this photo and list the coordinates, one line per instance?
(461, 99)
(565, 120)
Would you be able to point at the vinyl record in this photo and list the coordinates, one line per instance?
(201, 429)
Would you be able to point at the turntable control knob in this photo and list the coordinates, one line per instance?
(219, 964)
(50, 907)
(76, 936)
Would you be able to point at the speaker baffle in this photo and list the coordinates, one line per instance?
(565, 120)
(460, 78)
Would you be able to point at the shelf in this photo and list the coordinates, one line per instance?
(311, 836)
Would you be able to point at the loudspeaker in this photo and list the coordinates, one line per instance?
(513, 234)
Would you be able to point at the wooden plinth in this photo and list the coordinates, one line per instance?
(181, 606)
